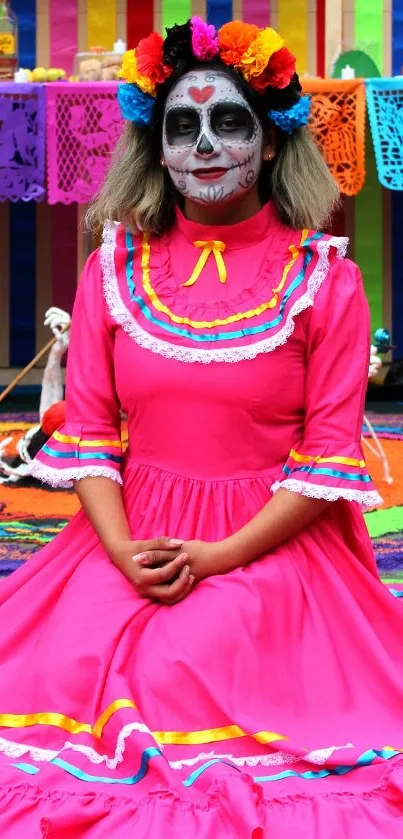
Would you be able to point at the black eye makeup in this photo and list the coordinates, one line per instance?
(234, 121)
(182, 126)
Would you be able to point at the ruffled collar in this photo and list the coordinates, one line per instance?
(143, 296)
(235, 236)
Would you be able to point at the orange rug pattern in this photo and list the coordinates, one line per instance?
(30, 516)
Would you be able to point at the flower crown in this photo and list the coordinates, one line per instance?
(258, 55)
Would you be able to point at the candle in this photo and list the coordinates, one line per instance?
(348, 72)
(20, 76)
(119, 47)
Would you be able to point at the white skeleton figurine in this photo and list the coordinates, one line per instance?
(375, 363)
(51, 393)
(52, 383)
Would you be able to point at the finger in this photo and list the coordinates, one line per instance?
(164, 543)
(163, 575)
(152, 559)
(184, 594)
(171, 570)
(51, 314)
(168, 594)
(172, 601)
(53, 311)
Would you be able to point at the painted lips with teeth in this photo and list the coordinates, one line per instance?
(212, 173)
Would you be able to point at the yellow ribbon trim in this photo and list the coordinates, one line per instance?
(208, 735)
(294, 256)
(64, 438)
(306, 458)
(212, 735)
(202, 324)
(217, 249)
(66, 723)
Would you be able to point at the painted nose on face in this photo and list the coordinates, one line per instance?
(204, 146)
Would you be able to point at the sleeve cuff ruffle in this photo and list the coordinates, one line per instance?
(337, 471)
(74, 452)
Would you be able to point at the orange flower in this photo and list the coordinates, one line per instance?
(234, 39)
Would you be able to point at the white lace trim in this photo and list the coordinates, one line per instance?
(125, 319)
(40, 755)
(64, 478)
(319, 757)
(368, 499)
(113, 762)
(11, 749)
(274, 759)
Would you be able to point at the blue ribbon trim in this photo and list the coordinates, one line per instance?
(366, 759)
(130, 265)
(75, 455)
(147, 755)
(219, 336)
(330, 473)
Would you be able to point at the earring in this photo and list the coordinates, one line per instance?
(162, 161)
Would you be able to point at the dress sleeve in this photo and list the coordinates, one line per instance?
(89, 443)
(328, 462)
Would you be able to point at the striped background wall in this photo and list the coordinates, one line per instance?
(397, 197)
(40, 252)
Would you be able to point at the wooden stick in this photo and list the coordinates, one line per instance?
(29, 366)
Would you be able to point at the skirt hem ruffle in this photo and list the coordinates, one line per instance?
(232, 807)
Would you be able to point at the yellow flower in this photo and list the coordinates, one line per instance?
(255, 60)
(130, 73)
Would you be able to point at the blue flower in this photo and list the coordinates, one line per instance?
(135, 105)
(294, 117)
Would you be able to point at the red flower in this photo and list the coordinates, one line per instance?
(149, 58)
(278, 72)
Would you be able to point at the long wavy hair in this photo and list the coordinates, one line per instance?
(139, 192)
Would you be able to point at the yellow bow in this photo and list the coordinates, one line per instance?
(217, 249)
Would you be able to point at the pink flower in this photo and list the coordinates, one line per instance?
(204, 39)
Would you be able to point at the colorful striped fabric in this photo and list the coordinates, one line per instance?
(74, 452)
(339, 471)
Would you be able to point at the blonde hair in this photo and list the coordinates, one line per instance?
(138, 191)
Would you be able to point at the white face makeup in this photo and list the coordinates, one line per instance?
(212, 139)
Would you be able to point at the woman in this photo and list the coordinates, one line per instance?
(207, 651)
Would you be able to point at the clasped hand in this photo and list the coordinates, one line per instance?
(167, 569)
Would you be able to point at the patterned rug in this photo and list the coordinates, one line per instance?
(30, 516)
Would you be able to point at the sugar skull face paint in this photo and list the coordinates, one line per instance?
(212, 139)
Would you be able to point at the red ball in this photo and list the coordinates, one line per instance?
(53, 418)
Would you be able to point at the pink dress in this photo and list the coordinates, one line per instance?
(269, 703)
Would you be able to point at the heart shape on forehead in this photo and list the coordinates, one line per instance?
(201, 94)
